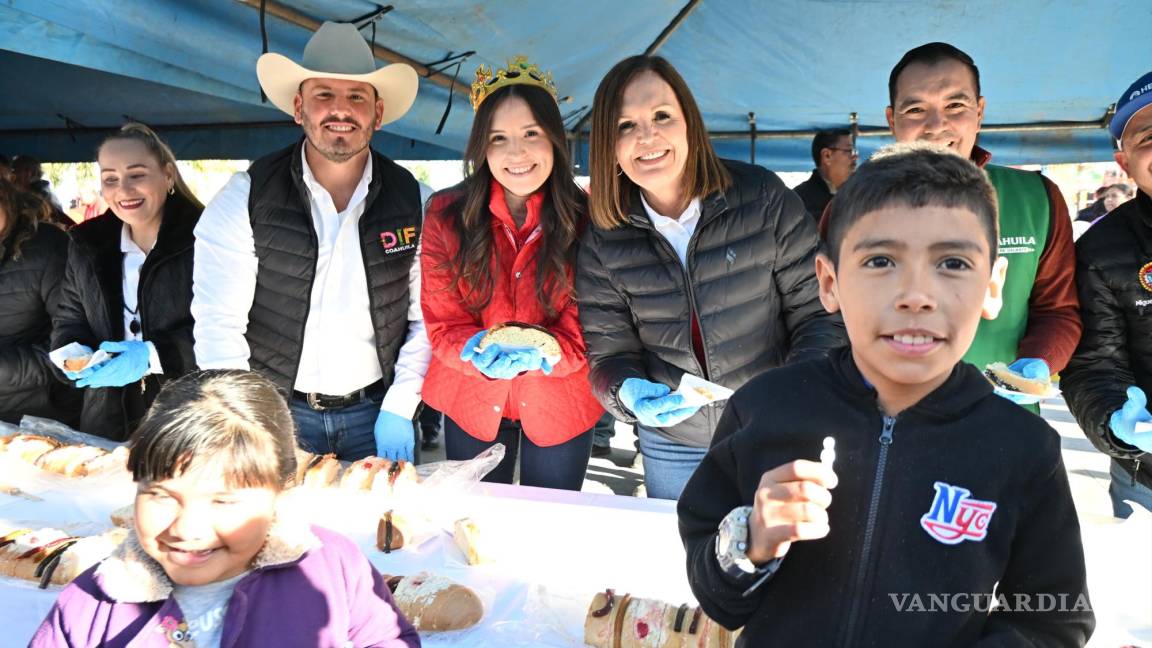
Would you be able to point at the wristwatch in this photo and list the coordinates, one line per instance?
(732, 543)
(731, 546)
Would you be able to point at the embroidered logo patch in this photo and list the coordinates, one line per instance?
(400, 240)
(956, 517)
(1146, 276)
(176, 632)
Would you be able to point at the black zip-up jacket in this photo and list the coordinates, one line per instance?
(29, 297)
(857, 586)
(750, 279)
(92, 306)
(1114, 279)
(815, 194)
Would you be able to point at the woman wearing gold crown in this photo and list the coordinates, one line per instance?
(499, 248)
(694, 265)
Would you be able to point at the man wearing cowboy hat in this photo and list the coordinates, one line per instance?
(306, 265)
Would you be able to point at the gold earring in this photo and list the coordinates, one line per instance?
(172, 190)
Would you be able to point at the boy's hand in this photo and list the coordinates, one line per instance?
(791, 504)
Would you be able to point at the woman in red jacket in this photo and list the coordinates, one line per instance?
(500, 247)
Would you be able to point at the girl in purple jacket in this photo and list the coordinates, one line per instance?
(210, 560)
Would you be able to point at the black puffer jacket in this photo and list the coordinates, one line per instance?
(1114, 279)
(29, 296)
(92, 305)
(750, 278)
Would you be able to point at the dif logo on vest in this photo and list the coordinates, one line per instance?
(400, 240)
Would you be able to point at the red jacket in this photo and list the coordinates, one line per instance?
(553, 408)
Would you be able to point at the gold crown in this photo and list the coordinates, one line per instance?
(519, 71)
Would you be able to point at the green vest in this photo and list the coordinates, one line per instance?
(1024, 221)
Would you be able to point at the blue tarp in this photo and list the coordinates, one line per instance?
(188, 66)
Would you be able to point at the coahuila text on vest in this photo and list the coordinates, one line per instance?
(1017, 244)
(400, 240)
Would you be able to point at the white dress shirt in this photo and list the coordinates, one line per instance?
(338, 353)
(677, 231)
(134, 258)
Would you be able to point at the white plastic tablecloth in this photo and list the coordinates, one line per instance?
(554, 549)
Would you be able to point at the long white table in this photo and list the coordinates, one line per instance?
(554, 550)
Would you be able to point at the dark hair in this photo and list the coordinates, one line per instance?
(561, 220)
(915, 175)
(931, 54)
(230, 415)
(22, 163)
(826, 139)
(24, 211)
(611, 192)
(140, 133)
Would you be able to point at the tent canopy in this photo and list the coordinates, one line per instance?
(73, 69)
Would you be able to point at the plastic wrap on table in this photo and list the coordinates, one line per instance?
(62, 433)
(8, 429)
(428, 507)
(545, 618)
(32, 497)
(461, 474)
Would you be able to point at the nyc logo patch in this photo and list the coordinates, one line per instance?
(956, 517)
(1146, 276)
(400, 240)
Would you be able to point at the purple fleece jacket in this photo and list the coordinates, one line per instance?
(309, 587)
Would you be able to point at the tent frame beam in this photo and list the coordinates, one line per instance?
(881, 131)
(300, 19)
(662, 38)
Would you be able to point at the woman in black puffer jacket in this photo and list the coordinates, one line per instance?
(695, 265)
(32, 257)
(128, 286)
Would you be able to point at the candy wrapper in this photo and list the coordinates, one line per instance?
(698, 392)
(76, 350)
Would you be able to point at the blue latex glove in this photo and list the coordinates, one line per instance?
(469, 350)
(1033, 368)
(503, 364)
(653, 403)
(1124, 420)
(83, 373)
(395, 436)
(129, 365)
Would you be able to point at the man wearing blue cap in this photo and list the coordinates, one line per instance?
(1109, 377)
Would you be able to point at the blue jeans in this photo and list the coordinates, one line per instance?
(1122, 488)
(346, 432)
(667, 464)
(559, 466)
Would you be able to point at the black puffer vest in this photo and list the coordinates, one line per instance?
(286, 247)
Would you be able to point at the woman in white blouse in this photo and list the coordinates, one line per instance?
(128, 285)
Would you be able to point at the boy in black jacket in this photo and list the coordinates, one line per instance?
(948, 499)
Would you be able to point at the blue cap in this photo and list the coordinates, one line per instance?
(1137, 96)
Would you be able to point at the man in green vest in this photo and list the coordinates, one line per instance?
(934, 95)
